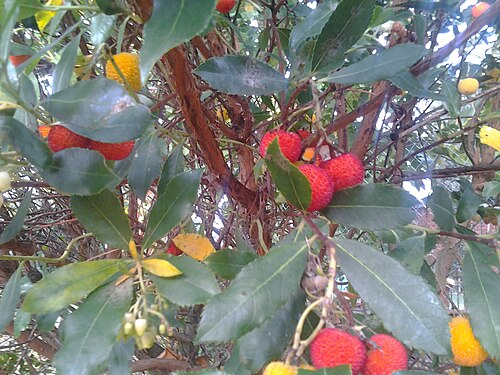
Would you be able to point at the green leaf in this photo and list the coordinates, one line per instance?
(203, 372)
(268, 341)
(101, 27)
(46, 322)
(25, 142)
(120, 357)
(172, 167)
(372, 206)
(173, 205)
(249, 76)
(413, 372)
(408, 82)
(452, 98)
(337, 370)
(482, 298)
(442, 208)
(146, 164)
(344, 28)
(64, 69)
(172, 23)
(79, 171)
(468, 204)
(380, 66)
(312, 24)
(404, 302)
(289, 180)
(266, 284)
(112, 7)
(69, 284)
(103, 215)
(491, 189)
(17, 222)
(90, 332)
(10, 297)
(410, 253)
(228, 263)
(99, 109)
(21, 322)
(195, 286)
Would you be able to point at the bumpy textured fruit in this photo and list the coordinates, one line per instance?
(385, 355)
(60, 138)
(467, 350)
(322, 186)
(289, 144)
(112, 151)
(174, 250)
(490, 136)
(44, 130)
(4, 181)
(129, 66)
(468, 86)
(345, 170)
(225, 6)
(479, 9)
(280, 368)
(333, 347)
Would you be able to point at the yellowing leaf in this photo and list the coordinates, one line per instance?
(44, 16)
(194, 245)
(490, 136)
(132, 248)
(160, 267)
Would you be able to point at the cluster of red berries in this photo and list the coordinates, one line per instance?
(60, 138)
(382, 355)
(325, 177)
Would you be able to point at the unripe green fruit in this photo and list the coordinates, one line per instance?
(127, 328)
(4, 181)
(162, 328)
(140, 326)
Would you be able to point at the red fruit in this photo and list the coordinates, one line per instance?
(60, 138)
(289, 144)
(345, 170)
(113, 151)
(385, 355)
(333, 347)
(479, 9)
(225, 6)
(18, 59)
(322, 186)
(174, 250)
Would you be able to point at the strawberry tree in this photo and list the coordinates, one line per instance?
(217, 187)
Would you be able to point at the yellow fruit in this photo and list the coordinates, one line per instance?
(129, 66)
(467, 350)
(490, 136)
(280, 368)
(468, 86)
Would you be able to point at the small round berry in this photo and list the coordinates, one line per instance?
(385, 355)
(321, 184)
(290, 144)
(225, 6)
(345, 170)
(468, 86)
(479, 9)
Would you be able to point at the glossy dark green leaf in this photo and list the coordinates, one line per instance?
(482, 298)
(410, 253)
(468, 204)
(404, 302)
(265, 284)
(17, 222)
(27, 8)
(99, 109)
(46, 322)
(172, 23)
(411, 84)
(234, 364)
(346, 25)
(372, 206)
(10, 297)
(172, 167)
(442, 208)
(338, 370)
(269, 341)
(173, 205)
(103, 215)
(79, 171)
(68, 284)
(25, 142)
(312, 24)
(195, 286)
(120, 357)
(249, 76)
(112, 6)
(64, 68)
(491, 189)
(228, 263)
(452, 98)
(90, 332)
(288, 179)
(146, 164)
(380, 66)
